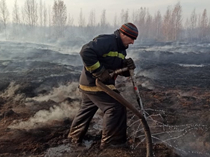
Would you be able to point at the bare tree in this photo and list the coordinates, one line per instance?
(134, 16)
(192, 25)
(142, 16)
(23, 16)
(81, 19)
(70, 20)
(90, 30)
(176, 21)
(4, 13)
(59, 13)
(204, 25)
(115, 21)
(40, 13)
(193, 20)
(167, 26)
(187, 31)
(124, 16)
(103, 19)
(92, 19)
(44, 15)
(49, 17)
(59, 17)
(30, 10)
(157, 23)
(16, 14)
(16, 20)
(149, 31)
(140, 20)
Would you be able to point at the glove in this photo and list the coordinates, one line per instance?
(130, 63)
(102, 75)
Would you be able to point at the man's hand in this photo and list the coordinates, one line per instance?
(130, 63)
(104, 76)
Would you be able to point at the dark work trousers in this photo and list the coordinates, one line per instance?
(114, 119)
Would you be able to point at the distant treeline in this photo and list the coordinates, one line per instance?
(35, 20)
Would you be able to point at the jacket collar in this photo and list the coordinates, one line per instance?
(119, 40)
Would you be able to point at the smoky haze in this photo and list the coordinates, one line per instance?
(45, 25)
(40, 68)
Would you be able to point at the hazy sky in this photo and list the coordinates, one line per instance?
(113, 7)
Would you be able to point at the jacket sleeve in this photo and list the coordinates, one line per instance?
(90, 55)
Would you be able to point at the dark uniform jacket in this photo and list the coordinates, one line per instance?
(105, 51)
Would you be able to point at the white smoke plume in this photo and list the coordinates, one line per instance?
(60, 93)
(10, 92)
(42, 117)
(56, 112)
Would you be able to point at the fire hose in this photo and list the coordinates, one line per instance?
(124, 102)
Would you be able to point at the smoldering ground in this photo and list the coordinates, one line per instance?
(39, 97)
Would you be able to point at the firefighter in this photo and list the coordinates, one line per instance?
(104, 54)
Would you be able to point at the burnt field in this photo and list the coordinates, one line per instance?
(39, 98)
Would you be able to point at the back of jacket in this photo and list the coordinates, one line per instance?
(105, 51)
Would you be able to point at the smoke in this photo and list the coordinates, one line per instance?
(192, 65)
(147, 85)
(60, 93)
(25, 53)
(145, 58)
(42, 117)
(57, 112)
(10, 92)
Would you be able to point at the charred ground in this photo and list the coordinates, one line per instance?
(39, 97)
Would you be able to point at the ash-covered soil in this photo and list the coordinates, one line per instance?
(39, 98)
